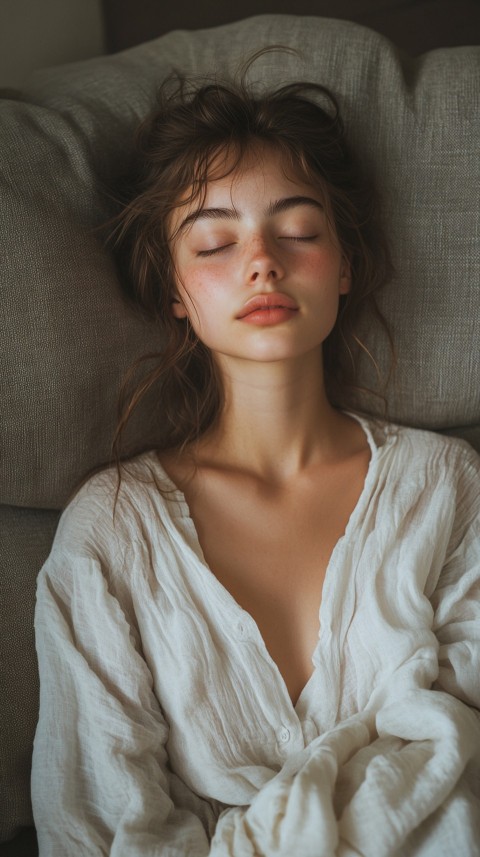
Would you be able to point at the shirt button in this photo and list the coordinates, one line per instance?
(284, 735)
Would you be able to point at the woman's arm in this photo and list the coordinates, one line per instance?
(100, 782)
(456, 600)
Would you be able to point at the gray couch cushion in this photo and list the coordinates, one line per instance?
(415, 123)
(26, 538)
(68, 335)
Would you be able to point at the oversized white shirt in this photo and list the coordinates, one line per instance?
(166, 728)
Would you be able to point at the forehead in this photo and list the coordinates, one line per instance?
(262, 173)
(260, 162)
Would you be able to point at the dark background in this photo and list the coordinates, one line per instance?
(414, 25)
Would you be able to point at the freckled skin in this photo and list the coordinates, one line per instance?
(259, 253)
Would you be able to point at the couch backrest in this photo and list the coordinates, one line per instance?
(69, 337)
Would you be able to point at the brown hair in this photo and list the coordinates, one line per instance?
(176, 146)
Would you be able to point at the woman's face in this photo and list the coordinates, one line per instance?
(259, 273)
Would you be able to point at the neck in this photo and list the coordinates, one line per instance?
(277, 419)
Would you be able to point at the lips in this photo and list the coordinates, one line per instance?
(277, 300)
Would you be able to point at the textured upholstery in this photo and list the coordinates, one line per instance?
(69, 336)
(26, 538)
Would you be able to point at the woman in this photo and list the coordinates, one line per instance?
(264, 639)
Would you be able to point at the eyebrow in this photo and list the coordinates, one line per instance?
(292, 202)
(276, 207)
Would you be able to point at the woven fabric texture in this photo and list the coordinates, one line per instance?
(26, 538)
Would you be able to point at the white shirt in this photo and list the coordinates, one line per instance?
(165, 726)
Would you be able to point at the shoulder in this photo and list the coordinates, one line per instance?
(452, 454)
(426, 483)
(108, 507)
(423, 447)
(442, 468)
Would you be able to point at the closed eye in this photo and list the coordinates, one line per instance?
(213, 250)
(299, 237)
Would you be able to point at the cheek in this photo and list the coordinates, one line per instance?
(198, 286)
(202, 293)
(321, 264)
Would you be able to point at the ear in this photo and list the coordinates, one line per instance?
(178, 308)
(345, 276)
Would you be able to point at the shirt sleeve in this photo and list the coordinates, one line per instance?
(456, 600)
(100, 779)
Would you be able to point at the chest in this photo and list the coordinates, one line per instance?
(271, 552)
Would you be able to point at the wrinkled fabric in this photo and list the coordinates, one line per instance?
(167, 729)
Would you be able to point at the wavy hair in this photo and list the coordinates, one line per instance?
(176, 147)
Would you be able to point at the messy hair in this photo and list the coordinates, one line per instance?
(193, 127)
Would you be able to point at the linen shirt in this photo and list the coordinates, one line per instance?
(167, 729)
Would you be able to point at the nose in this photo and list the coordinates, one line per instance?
(264, 264)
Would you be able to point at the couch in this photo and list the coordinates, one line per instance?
(68, 334)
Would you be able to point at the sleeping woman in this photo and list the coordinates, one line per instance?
(262, 636)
